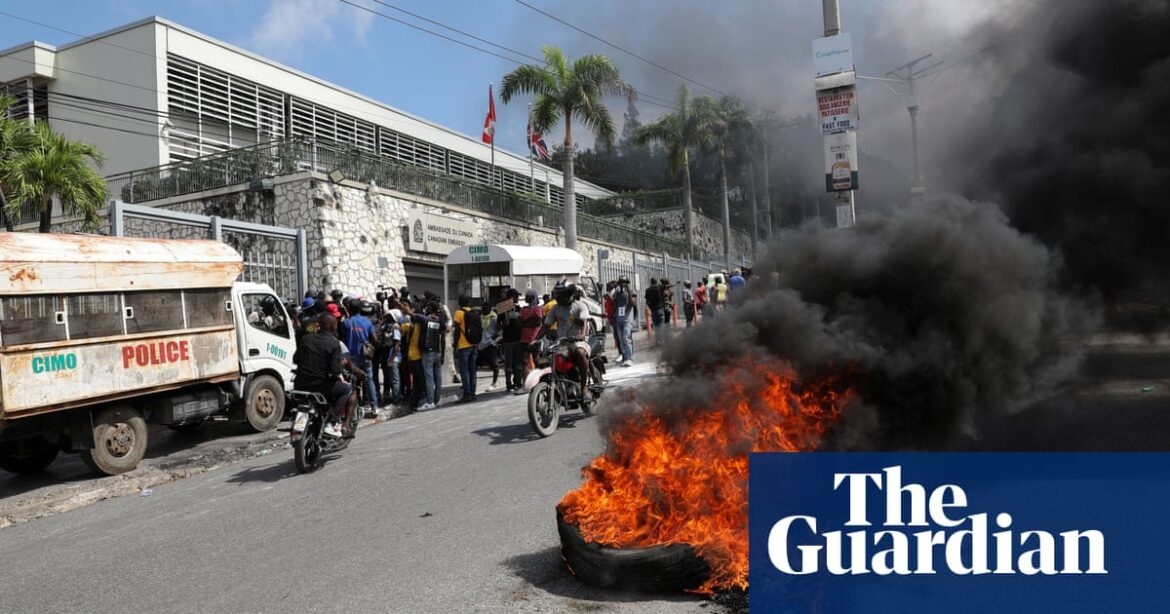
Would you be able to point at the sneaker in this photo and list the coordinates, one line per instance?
(492, 388)
(626, 363)
(370, 412)
(332, 430)
(427, 406)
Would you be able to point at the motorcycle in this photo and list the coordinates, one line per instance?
(309, 442)
(556, 388)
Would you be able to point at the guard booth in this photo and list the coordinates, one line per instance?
(487, 271)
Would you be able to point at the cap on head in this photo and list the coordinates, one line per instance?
(308, 302)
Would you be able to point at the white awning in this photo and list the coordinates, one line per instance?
(523, 259)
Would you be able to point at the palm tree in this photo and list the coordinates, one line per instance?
(678, 130)
(15, 138)
(721, 124)
(567, 91)
(55, 166)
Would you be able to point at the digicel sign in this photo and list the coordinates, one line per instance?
(155, 353)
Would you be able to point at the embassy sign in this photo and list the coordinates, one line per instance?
(959, 533)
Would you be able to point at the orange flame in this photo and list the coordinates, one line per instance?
(686, 481)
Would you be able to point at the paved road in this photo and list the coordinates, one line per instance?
(449, 510)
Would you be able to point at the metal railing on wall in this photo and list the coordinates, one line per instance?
(273, 255)
(285, 157)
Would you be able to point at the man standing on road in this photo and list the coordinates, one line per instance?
(514, 356)
(653, 296)
(736, 284)
(625, 312)
(467, 323)
(701, 299)
(358, 333)
(688, 304)
(531, 319)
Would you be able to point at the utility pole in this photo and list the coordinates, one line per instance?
(846, 201)
(909, 73)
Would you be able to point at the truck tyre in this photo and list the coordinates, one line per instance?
(264, 403)
(119, 436)
(27, 456)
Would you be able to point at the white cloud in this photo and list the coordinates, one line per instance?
(291, 27)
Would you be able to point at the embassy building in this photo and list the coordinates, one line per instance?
(196, 125)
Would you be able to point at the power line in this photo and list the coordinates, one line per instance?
(663, 102)
(623, 50)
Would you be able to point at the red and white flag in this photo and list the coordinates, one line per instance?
(489, 122)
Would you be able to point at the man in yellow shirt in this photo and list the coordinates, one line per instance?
(468, 334)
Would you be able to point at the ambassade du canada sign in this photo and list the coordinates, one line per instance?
(437, 234)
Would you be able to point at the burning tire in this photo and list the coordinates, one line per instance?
(657, 569)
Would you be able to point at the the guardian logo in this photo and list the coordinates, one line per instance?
(924, 533)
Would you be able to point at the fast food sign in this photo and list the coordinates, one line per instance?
(837, 109)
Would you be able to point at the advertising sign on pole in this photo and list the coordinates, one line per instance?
(833, 54)
(841, 161)
(838, 109)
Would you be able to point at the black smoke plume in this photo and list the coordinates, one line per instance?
(933, 313)
(1077, 147)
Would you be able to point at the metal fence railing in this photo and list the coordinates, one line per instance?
(285, 157)
(704, 201)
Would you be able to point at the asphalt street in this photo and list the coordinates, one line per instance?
(449, 510)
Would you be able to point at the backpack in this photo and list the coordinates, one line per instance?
(473, 327)
(432, 340)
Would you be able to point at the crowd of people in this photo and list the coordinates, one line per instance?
(398, 343)
(706, 297)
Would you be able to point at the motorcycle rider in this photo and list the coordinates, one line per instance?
(570, 316)
(318, 361)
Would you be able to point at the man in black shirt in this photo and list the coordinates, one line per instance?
(654, 302)
(318, 360)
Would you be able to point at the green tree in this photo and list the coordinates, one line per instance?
(678, 131)
(15, 138)
(722, 124)
(566, 91)
(53, 165)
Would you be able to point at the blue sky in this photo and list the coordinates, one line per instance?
(758, 49)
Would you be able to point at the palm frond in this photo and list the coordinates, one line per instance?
(527, 79)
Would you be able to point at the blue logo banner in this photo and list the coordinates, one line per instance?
(959, 533)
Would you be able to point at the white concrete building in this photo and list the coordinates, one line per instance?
(153, 92)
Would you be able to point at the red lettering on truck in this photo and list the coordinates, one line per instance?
(155, 353)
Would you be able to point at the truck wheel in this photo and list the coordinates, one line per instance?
(264, 403)
(27, 456)
(119, 436)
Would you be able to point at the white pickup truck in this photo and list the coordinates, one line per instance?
(99, 335)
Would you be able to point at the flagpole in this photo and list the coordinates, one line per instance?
(531, 166)
(492, 98)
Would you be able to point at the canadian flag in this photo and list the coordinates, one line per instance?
(489, 122)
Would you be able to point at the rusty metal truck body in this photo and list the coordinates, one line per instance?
(99, 335)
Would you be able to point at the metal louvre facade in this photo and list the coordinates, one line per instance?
(213, 111)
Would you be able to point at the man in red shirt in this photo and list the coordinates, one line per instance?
(701, 299)
(531, 319)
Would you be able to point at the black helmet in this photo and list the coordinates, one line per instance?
(565, 292)
(268, 304)
(365, 307)
(623, 280)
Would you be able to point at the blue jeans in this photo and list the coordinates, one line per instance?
(467, 370)
(364, 364)
(432, 375)
(625, 330)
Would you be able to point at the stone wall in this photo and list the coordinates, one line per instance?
(356, 234)
(708, 231)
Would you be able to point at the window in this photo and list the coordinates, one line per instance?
(94, 315)
(266, 313)
(151, 312)
(32, 319)
(207, 307)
